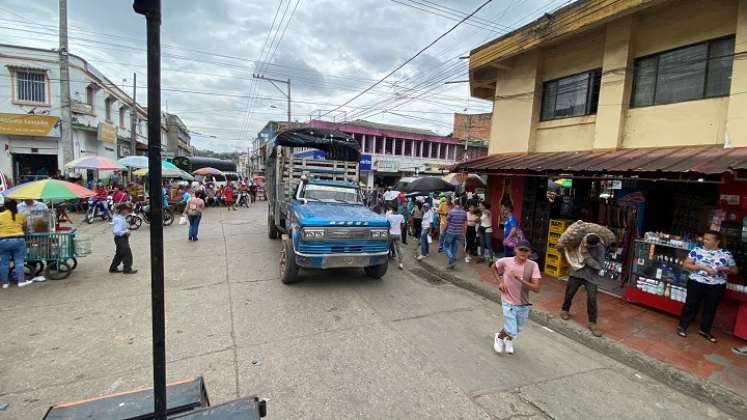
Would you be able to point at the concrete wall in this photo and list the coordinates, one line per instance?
(614, 47)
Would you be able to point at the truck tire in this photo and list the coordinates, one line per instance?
(272, 230)
(376, 271)
(288, 267)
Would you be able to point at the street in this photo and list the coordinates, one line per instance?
(337, 345)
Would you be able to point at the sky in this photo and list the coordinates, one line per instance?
(332, 50)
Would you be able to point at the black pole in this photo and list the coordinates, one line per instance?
(152, 11)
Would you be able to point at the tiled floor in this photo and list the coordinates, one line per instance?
(650, 332)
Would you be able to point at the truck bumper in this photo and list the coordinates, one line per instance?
(340, 260)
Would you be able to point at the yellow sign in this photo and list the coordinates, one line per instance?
(107, 133)
(27, 125)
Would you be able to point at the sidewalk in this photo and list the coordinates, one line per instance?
(637, 336)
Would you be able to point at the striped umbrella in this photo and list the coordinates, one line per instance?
(48, 189)
(168, 173)
(207, 171)
(94, 162)
(142, 162)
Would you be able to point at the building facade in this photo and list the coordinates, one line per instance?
(473, 132)
(30, 113)
(391, 152)
(179, 142)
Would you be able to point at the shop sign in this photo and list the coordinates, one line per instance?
(107, 133)
(387, 165)
(730, 199)
(616, 184)
(366, 162)
(27, 125)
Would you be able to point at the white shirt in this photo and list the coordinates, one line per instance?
(427, 219)
(395, 223)
(486, 221)
(37, 206)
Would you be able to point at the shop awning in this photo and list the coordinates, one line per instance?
(704, 160)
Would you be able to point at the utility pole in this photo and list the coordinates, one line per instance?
(67, 147)
(273, 81)
(133, 117)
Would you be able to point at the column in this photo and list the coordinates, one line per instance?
(614, 93)
(736, 120)
(363, 143)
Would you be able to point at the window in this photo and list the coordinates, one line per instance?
(408, 147)
(380, 145)
(369, 143)
(571, 96)
(109, 103)
(91, 95)
(694, 72)
(31, 86)
(398, 147)
(389, 146)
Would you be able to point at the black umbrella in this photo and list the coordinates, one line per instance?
(428, 184)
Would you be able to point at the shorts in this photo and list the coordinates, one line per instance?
(514, 318)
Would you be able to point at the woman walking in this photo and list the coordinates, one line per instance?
(485, 231)
(193, 211)
(473, 218)
(708, 266)
(417, 219)
(12, 243)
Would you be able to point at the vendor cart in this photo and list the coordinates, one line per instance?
(55, 252)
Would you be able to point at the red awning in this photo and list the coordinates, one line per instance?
(706, 160)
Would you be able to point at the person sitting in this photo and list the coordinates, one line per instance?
(120, 195)
(27, 206)
(101, 198)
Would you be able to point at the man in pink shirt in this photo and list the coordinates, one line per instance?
(516, 276)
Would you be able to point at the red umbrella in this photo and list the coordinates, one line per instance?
(207, 171)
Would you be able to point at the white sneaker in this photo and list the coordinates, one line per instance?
(498, 344)
(420, 257)
(467, 259)
(509, 346)
(5, 285)
(24, 283)
(401, 266)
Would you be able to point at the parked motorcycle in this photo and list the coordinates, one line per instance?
(95, 210)
(141, 213)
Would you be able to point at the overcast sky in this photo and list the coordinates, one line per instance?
(331, 49)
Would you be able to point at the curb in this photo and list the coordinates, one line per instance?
(707, 392)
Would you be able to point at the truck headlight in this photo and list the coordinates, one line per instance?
(379, 234)
(313, 234)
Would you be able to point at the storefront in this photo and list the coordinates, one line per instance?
(658, 202)
(29, 145)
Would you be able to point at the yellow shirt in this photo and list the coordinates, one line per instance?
(443, 211)
(10, 227)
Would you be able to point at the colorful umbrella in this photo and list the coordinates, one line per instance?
(207, 171)
(48, 189)
(470, 180)
(167, 173)
(94, 162)
(142, 162)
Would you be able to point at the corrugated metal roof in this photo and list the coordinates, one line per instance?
(705, 160)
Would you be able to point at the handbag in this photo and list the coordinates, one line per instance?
(514, 240)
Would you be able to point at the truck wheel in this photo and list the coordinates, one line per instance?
(272, 230)
(288, 267)
(376, 271)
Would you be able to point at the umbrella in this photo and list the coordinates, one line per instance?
(142, 162)
(48, 189)
(207, 171)
(94, 162)
(167, 173)
(469, 180)
(429, 184)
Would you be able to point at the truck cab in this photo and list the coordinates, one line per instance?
(316, 207)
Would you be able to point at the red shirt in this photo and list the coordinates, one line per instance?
(101, 193)
(120, 197)
(228, 194)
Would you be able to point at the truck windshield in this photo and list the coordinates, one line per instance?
(331, 193)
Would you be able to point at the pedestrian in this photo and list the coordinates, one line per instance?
(228, 197)
(417, 219)
(511, 235)
(12, 244)
(396, 223)
(26, 207)
(101, 199)
(425, 233)
(253, 192)
(485, 233)
(708, 267)
(121, 231)
(587, 276)
(456, 221)
(516, 277)
(193, 210)
(443, 210)
(405, 213)
(473, 218)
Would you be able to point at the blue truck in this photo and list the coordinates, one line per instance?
(317, 209)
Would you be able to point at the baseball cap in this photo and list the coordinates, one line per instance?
(523, 244)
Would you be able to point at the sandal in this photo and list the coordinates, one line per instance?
(681, 332)
(708, 337)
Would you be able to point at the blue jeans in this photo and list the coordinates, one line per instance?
(487, 244)
(104, 208)
(424, 242)
(451, 245)
(14, 248)
(514, 318)
(194, 225)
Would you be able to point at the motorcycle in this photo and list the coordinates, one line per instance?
(95, 209)
(242, 199)
(141, 213)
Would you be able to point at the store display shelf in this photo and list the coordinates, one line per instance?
(643, 241)
(661, 303)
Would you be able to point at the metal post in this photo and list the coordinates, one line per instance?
(152, 11)
(67, 147)
(289, 100)
(133, 117)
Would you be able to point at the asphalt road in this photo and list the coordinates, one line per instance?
(336, 346)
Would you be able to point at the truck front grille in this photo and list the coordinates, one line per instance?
(347, 234)
(329, 247)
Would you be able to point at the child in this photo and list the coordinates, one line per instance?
(121, 231)
(516, 276)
